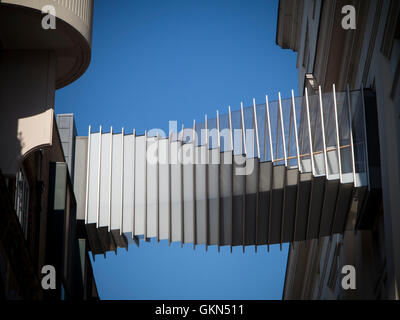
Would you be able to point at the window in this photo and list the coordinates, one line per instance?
(21, 200)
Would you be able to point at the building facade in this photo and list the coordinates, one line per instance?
(38, 206)
(365, 57)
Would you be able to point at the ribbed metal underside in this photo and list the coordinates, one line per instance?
(269, 183)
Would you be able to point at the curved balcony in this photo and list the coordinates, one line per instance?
(21, 25)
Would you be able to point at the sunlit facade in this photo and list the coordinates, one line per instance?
(368, 57)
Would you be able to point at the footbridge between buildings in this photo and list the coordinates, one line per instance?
(272, 173)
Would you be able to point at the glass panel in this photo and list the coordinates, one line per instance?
(330, 133)
(316, 133)
(288, 127)
(212, 133)
(263, 133)
(200, 134)
(224, 132)
(344, 132)
(237, 132)
(250, 135)
(277, 148)
(303, 133)
(358, 131)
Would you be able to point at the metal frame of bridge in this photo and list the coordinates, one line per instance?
(273, 173)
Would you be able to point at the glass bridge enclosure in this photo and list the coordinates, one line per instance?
(311, 133)
(238, 178)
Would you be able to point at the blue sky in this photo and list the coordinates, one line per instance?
(155, 61)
